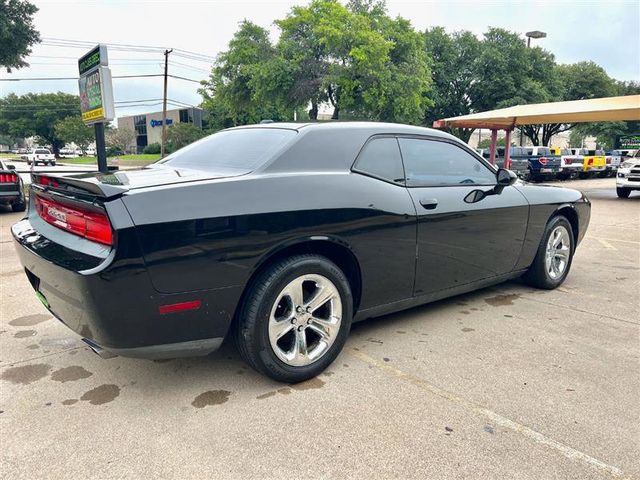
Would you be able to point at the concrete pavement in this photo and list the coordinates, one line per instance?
(507, 382)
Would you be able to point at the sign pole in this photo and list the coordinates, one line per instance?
(101, 150)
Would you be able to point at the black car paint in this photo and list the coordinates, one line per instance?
(181, 236)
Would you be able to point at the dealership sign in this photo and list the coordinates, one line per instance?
(96, 92)
(629, 141)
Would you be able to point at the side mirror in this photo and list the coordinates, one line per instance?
(506, 177)
(11, 167)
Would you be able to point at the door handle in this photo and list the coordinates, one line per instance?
(429, 203)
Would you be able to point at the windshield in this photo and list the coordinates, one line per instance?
(241, 150)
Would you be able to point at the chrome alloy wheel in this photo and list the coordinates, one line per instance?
(305, 320)
(557, 253)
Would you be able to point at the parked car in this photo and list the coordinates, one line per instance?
(570, 164)
(281, 235)
(612, 160)
(11, 191)
(593, 162)
(41, 155)
(543, 163)
(68, 153)
(518, 165)
(628, 176)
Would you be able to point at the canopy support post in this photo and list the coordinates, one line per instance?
(507, 147)
(492, 150)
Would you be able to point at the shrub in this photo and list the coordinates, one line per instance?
(152, 148)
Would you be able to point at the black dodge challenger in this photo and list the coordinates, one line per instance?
(281, 235)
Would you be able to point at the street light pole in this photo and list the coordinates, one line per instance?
(530, 35)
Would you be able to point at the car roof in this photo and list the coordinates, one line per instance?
(333, 146)
(373, 127)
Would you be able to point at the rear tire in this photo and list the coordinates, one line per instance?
(281, 332)
(19, 207)
(555, 254)
(623, 192)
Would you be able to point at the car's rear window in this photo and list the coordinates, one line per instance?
(43, 152)
(544, 151)
(235, 150)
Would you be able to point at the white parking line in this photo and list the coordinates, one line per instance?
(525, 431)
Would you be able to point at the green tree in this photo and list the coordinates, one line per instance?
(356, 58)
(35, 114)
(577, 81)
(454, 70)
(229, 94)
(74, 130)
(17, 33)
(182, 134)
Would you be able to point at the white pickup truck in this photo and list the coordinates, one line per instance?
(628, 177)
(41, 155)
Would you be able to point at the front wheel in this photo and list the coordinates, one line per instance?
(623, 192)
(555, 253)
(295, 318)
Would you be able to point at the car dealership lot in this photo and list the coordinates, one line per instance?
(506, 382)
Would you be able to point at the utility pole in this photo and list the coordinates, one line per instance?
(164, 103)
(530, 35)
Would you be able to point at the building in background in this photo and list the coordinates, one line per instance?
(148, 126)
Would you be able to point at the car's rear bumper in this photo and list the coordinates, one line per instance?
(10, 197)
(111, 302)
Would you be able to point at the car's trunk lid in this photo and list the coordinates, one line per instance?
(112, 184)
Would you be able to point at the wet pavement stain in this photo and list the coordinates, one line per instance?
(25, 333)
(70, 374)
(70, 401)
(26, 374)
(375, 340)
(386, 359)
(266, 395)
(101, 395)
(465, 312)
(30, 320)
(328, 373)
(11, 273)
(400, 331)
(212, 397)
(35, 346)
(309, 384)
(501, 300)
(468, 329)
(488, 429)
(284, 391)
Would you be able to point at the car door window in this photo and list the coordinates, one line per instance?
(380, 158)
(435, 163)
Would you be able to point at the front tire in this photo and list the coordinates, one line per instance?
(623, 192)
(555, 254)
(295, 318)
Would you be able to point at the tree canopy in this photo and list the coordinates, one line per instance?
(17, 33)
(36, 114)
(73, 130)
(355, 58)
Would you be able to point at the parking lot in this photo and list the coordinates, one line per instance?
(506, 382)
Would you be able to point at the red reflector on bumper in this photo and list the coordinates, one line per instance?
(179, 307)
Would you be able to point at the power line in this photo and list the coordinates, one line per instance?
(76, 78)
(124, 46)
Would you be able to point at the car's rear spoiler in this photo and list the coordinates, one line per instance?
(105, 186)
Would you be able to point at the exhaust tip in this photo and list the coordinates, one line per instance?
(98, 350)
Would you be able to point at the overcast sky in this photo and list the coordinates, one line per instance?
(607, 32)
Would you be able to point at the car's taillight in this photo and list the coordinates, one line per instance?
(590, 161)
(47, 182)
(543, 160)
(85, 223)
(8, 178)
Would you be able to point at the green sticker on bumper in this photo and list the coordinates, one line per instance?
(42, 298)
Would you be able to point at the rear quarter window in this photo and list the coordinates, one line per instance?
(241, 150)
